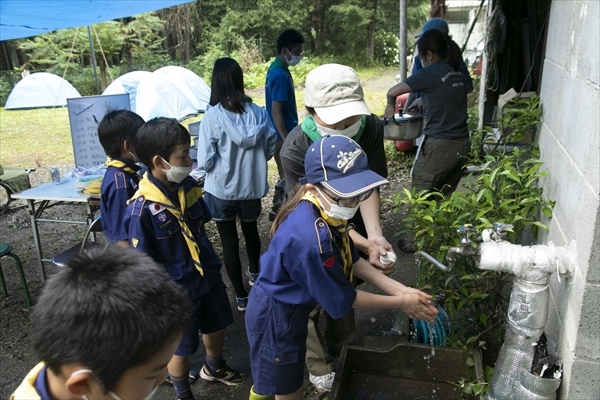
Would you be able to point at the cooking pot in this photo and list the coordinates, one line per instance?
(406, 127)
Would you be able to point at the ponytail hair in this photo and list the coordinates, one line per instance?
(287, 207)
(441, 45)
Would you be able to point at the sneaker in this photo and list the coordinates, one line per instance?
(322, 383)
(251, 277)
(193, 377)
(242, 303)
(225, 375)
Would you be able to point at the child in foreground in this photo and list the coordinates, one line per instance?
(165, 219)
(104, 328)
(308, 262)
(117, 132)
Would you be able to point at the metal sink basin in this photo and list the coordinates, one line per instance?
(402, 372)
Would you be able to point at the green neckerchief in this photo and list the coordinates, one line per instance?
(309, 127)
(278, 63)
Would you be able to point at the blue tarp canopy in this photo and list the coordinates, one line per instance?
(24, 18)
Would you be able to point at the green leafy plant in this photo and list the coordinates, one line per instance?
(506, 190)
(520, 118)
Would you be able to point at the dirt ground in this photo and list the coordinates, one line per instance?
(16, 357)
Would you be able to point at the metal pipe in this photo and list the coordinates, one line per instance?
(403, 50)
(431, 259)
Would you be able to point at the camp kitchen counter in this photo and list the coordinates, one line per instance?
(47, 195)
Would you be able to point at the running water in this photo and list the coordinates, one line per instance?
(431, 326)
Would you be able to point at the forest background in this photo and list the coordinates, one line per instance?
(359, 33)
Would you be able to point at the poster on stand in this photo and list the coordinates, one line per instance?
(85, 113)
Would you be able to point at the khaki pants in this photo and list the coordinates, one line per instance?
(320, 350)
(440, 163)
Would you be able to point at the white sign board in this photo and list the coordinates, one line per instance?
(85, 113)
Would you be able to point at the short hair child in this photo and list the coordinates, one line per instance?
(117, 132)
(110, 312)
(289, 38)
(165, 219)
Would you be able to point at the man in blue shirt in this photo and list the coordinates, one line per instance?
(279, 88)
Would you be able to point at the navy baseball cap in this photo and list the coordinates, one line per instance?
(340, 165)
(434, 23)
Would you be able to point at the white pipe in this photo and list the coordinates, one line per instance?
(531, 263)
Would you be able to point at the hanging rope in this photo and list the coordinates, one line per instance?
(102, 52)
(496, 33)
(70, 53)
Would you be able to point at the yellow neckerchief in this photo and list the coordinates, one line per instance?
(118, 164)
(339, 225)
(26, 389)
(152, 193)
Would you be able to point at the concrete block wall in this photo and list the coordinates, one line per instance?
(570, 149)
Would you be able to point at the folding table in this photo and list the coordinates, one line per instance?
(47, 195)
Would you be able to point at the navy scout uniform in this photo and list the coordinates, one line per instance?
(118, 185)
(153, 230)
(300, 269)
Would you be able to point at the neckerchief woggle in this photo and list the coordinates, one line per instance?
(152, 193)
(110, 162)
(309, 127)
(339, 225)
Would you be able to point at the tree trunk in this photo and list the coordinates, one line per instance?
(317, 24)
(188, 35)
(371, 33)
(103, 66)
(438, 9)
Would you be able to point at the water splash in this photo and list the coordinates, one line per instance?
(431, 326)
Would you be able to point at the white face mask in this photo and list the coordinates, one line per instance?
(293, 60)
(335, 211)
(350, 131)
(177, 174)
(135, 158)
(111, 394)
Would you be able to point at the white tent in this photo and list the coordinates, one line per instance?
(127, 83)
(158, 97)
(40, 89)
(196, 85)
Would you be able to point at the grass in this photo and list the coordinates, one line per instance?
(27, 134)
(45, 133)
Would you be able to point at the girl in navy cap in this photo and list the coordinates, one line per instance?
(309, 262)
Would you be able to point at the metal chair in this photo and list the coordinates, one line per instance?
(13, 180)
(6, 250)
(62, 259)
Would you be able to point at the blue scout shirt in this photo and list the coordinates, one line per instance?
(280, 87)
(118, 186)
(154, 230)
(300, 269)
(302, 264)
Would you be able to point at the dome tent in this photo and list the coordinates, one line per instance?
(198, 88)
(158, 97)
(127, 83)
(40, 89)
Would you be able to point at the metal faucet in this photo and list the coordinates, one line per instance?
(431, 259)
(465, 249)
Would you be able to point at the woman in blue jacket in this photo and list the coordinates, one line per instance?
(235, 141)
